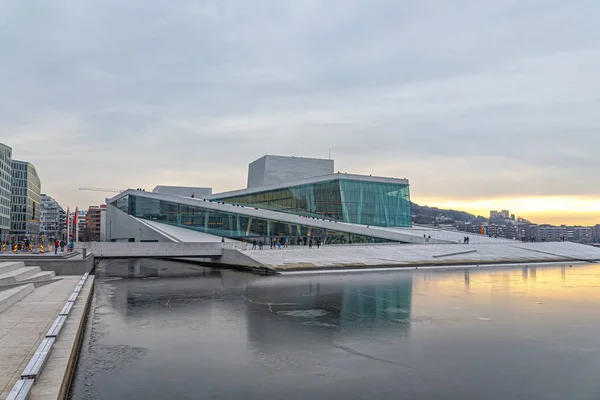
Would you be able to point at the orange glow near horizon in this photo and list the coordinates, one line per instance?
(568, 210)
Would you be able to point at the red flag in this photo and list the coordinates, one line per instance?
(75, 219)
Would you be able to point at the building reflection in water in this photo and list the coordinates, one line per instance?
(324, 308)
(280, 313)
(533, 273)
(177, 284)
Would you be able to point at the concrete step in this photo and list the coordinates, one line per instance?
(10, 266)
(11, 296)
(18, 275)
(40, 277)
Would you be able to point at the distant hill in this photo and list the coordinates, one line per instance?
(429, 215)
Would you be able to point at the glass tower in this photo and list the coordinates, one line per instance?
(357, 201)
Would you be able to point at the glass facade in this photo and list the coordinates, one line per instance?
(232, 225)
(346, 200)
(25, 198)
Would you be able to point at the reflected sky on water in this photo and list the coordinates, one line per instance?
(185, 332)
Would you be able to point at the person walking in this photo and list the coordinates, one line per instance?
(310, 244)
(254, 244)
(56, 245)
(62, 246)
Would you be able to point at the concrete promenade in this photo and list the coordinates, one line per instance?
(303, 258)
(398, 255)
(157, 249)
(23, 326)
(56, 376)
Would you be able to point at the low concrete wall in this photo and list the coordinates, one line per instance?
(60, 266)
(235, 258)
(156, 249)
(65, 267)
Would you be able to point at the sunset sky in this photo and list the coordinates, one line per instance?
(480, 104)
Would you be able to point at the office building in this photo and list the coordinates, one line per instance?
(80, 227)
(5, 189)
(583, 234)
(504, 214)
(94, 221)
(52, 217)
(25, 199)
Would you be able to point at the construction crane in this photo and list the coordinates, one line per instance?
(100, 190)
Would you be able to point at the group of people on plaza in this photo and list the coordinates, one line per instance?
(284, 242)
(62, 244)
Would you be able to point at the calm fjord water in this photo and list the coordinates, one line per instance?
(190, 333)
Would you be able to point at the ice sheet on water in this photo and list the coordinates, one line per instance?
(317, 323)
(111, 279)
(304, 313)
(395, 310)
(484, 319)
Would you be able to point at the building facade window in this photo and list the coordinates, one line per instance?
(232, 225)
(346, 200)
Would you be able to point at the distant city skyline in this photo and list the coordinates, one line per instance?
(481, 105)
(539, 210)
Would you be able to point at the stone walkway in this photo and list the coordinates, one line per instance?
(57, 372)
(340, 256)
(23, 326)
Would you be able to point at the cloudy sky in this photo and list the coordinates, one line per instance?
(480, 103)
